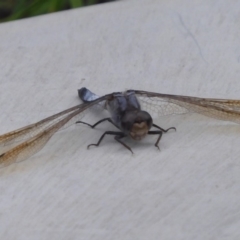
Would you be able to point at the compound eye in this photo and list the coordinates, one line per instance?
(144, 116)
(127, 125)
(128, 120)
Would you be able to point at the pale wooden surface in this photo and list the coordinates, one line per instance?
(189, 190)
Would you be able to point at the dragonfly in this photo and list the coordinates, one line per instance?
(126, 115)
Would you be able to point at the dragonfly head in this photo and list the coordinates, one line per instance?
(137, 123)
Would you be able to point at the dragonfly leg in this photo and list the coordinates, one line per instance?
(159, 137)
(94, 125)
(164, 130)
(118, 136)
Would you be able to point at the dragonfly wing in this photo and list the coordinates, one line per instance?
(35, 143)
(165, 104)
(33, 129)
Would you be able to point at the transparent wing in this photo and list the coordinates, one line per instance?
(34, 144)
(40, 133)
(35, 128)
(165, 104)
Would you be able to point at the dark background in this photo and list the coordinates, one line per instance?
(17, 9)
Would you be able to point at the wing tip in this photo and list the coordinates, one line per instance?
(3, 163)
